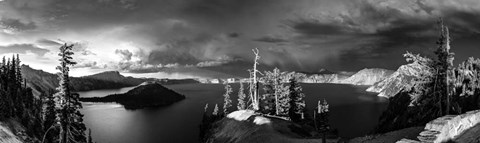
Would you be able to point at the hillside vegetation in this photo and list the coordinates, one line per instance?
(145, 95)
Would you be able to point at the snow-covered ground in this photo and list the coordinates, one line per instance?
(242, 115)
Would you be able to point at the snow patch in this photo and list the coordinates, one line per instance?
(241, 115)
(259, 120)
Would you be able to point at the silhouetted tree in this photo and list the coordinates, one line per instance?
(321, 118)
(446, 77)
(297, 101)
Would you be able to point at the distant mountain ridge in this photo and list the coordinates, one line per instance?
(43, 82)
(115, 76)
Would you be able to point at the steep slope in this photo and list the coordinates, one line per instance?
(43, 82)
(400, 79)
(367, 76)
(149, 94)
(12, 132)
(6, 136)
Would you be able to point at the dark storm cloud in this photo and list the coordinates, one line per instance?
(293, 35)
(388, 30)
(271, 39)
(22, 49)
(16, 24)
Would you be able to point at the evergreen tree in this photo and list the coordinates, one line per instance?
(321, 118)
(48, 116)
(18, 71)
(68, 118)
(446, 77)
(227, 102)
(275, 99)
(241, 105)
(297, 102)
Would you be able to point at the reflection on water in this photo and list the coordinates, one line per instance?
(353, 111)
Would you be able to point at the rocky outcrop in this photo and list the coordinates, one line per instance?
(448, 127)
(402, 79)
(367, 76)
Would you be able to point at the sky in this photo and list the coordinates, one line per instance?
(215, 38)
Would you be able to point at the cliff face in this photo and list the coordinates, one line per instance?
(362, 77)
(402, 79)
(367, 76)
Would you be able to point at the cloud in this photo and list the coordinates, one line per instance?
(126, 54)
(147, 35)
(15, 25)
(47, 42)
(218, 62)
(23, 49)
(91, 64)
(271, 39)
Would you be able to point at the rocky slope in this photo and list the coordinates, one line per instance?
(362, 77)
(367, 76)
(399, 80)
(149, 94)
(12, 132)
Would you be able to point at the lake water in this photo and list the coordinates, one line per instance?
(353, 112)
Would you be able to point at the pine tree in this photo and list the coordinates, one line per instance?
(321, 118)
(241, 105)
(68, 118)
(297, 101)
(48, 117)
(275, 99)
(446, 76)
(18, 71)
(227, 102)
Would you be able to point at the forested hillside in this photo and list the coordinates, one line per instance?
(42, 81)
